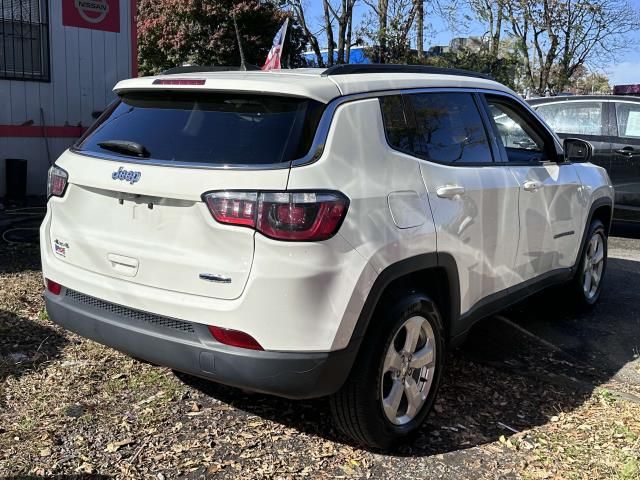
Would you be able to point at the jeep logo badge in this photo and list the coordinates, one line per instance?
(126, 175)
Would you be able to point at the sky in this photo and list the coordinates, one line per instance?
(623, 70)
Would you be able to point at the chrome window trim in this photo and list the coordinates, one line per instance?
(322, 132)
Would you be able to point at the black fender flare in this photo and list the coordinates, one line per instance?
(597, 203)
(426, 261)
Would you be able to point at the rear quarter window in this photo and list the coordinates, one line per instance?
(208, 128)
(439, 127)
(628, 116)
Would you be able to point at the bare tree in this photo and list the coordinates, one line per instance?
(343, 16)
(492, 13)
(420, 28)
(556, 37)
(390, 28)
(312, 39)
(381, 9)
(328, 28)
(336, 24)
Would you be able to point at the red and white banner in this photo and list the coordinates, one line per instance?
(92, 14)
(273, 59)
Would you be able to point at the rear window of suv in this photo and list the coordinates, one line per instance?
(207, 128)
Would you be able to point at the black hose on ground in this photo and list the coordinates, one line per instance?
(21, 225)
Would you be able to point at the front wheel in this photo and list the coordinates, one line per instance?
(591, 267)
(395, 379)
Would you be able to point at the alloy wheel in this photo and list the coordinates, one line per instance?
(593, 266)
(408, 370)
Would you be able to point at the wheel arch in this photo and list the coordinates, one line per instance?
(603, 212)
(434, 274)
(601, 209)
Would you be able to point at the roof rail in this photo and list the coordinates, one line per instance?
(358, 68)
(208, 68)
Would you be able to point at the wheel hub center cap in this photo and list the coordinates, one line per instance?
(405, 368)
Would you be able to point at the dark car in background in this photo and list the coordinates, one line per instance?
(612, 125)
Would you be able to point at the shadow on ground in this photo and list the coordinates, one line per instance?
(60, 477)
(515, 372)
(25, 344)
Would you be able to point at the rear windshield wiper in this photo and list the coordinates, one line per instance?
(126, 147)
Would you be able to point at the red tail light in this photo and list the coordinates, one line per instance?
(53, 287)
(234, 208)
(296, 216)
(234, 338)
(56, 182)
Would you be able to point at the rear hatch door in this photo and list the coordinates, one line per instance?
(133, 208)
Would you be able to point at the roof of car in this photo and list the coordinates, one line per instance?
(316, 83)
(582, 98)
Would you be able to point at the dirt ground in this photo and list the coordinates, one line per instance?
(538, 392)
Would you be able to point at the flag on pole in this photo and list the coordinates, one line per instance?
(273, 58)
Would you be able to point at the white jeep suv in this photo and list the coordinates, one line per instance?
(310, 233)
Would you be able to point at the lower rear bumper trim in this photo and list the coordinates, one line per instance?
(286, 374)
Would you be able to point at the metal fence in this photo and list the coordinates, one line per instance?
(24, 40)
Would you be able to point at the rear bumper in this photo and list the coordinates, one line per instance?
(189, 347)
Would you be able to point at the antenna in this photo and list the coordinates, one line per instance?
(243, 64)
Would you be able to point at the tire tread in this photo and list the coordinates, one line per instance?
(349, 406)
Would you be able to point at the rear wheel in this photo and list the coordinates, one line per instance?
(395, 379)
(591, 267)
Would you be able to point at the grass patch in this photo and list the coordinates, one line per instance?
(630, 470)
(599, 440)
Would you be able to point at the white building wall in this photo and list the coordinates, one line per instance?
(85, 65)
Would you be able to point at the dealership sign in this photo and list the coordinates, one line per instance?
(93, 14)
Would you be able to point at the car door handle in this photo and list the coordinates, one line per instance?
(449, 191)
(532, 185)
(626, 151)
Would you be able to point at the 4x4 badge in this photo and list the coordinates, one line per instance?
(126, 175)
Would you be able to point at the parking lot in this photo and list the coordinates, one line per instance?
(539, 391)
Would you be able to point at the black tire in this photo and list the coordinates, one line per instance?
(357, 407)
(583, 297)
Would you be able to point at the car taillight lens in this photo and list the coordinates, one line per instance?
(53, 287)
(234, 338)
(295, 216)
(234, 208)
(56, 182)
(300, 216)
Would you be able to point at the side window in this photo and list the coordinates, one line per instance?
(577, 118)
(520, 140)
(448, 128)
(396, 128)
(628, 120)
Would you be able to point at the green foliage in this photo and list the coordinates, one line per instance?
(503, 69)
(591, 83)
(201, 32)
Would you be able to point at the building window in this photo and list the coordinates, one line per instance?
(24, 40)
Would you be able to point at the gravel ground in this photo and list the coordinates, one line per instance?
(537, 393)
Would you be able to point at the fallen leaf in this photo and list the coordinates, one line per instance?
(115, 446)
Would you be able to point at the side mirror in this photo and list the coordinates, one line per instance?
(576, 150)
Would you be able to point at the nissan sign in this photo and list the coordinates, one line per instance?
(92, 14)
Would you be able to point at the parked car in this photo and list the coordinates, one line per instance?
(313, 232)
(612, 125)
